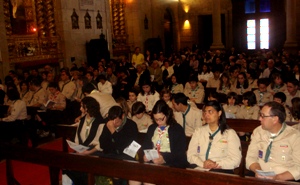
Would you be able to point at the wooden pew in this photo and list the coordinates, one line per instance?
(157, 174)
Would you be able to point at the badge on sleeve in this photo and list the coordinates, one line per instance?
(260, 154)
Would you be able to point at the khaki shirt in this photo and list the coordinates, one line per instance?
(285, 151)
(197, 94)
(193, 120)
(275, 90)
(231, 109)
(68, 89)
(38, 97)
(289, 98)
(240, 91)
(263, 98)
(143, 123)
(212, 82)
(177, 88)
(248, 112)
(225, 149)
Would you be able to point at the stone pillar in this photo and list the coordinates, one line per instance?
(291, 40)
(216, 21)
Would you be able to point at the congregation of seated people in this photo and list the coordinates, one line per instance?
(187, 94)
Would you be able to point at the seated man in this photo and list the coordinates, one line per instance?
(118, 133)
(274, 146)
(187, 116)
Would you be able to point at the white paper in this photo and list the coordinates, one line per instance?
(151, 154)
(77, 147)
(143, 131)
(132, 149)
(230, 115)
(266, 173)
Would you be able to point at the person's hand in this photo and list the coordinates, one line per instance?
(209, 164)
(145, 159)
(111, 127)
(159, 160)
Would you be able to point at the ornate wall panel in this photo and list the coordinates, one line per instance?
(31, 31)
(120, 36)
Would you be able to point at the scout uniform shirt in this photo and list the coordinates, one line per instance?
(284, 153)
(177, 88)
(247, 112)
(68, 89)
(37, 97)
(231, 110)
(263, 97)
(197, 94)
(213, 83)
(289, 98)
(276, 88)
(224, 150)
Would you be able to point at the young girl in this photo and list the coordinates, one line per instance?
(277, 84)
(175, 86)
(231, 108)
(194, 91)
(249, 109)
(213, 96)
(225, 84)
(242, 84)
(251, 76)
(205, 74)
(148, 96)
(139, 116)
(166, 96)
(132, 98)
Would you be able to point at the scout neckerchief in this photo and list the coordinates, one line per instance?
(268, 152)
(211, 138)
(183, 116)
(194, 91)
(161, 131)
(34, 94)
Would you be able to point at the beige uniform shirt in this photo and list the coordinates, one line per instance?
(18, 111)
(224, 90)
(276, 89)
(289, 98)
(59, 99)
(197, 94)
(38, 97)
(263, 97)
(231, 110)
(193, 120)
(68, 89)
(285, 151)
(106, 101)
(177, 88)
(212, 82)
(143, 123)
(240, 91)
(246, 112)
(148, 100)
(225, 149)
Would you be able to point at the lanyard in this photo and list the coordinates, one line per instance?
(211, 138)
(183, 116)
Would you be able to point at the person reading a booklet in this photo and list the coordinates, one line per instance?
(165, 141)
(274, 151)
(87, 134)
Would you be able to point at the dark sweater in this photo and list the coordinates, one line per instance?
(177, 157)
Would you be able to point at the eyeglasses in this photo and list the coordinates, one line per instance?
(160, 119)
(265, 116)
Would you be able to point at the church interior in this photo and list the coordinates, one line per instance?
(59, 33)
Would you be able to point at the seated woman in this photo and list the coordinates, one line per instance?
(167, 137)
(277, 84)
(140, 117)
(242, 84)
(12, 126)
(225, 84)
(87, 134)
(231, 108)
(175, 86)
(194, 91)
(104, 85)
(214, 146)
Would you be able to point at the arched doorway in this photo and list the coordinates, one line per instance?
(168, 32)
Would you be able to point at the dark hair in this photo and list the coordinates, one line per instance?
(193, 78)
(165, 91)
(246, 83)
(147, 82)
(293, 81)
(35, 82)
(92, 106)
(264, 81)
(233, 95)
(88, 88)
(90, 73)
(133, 90)
(250, 96)
(24, 82)
(277, 110)
(180, 98)
(137, 108)
(13, 94)
(213, 94)
(273, 78)
(101, 77)
(66, 70)
(53, 84)
(115, 112)
(296, 107)
(222, 120)
(162, 107)
(281, 96)
(221, 81)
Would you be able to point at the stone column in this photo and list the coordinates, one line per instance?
(291, 40)
(216, 21)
